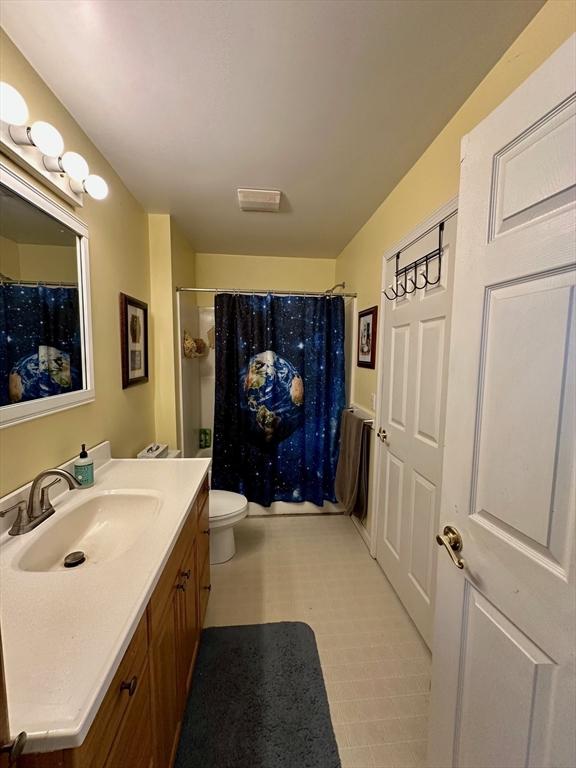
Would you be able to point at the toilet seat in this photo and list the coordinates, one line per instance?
(226, 508)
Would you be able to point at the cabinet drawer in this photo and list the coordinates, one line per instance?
(96, 746)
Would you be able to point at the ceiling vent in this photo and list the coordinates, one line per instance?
(259, 200)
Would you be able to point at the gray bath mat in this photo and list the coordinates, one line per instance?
(258, 701)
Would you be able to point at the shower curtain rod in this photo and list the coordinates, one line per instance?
(38, 283)
(264, 292)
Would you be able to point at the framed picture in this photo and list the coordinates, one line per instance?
(367, 326)
(134, 340)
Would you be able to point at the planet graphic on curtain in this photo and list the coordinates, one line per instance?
(43, 374)
(273, 397)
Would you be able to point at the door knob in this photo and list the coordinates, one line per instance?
(383, 435)
(452, 540)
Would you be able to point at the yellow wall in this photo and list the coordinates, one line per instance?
(160, 318)
(172, 263)
(225, 270)
(41, 263)
(118, 262)
(434, 179)
(48, 263)
(9, 258)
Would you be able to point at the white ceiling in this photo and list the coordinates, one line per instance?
(330, 101)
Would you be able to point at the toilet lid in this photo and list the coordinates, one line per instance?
(224, 503)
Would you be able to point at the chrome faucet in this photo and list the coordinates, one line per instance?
(39, 507)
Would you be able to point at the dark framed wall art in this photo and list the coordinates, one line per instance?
(367, 328)
(134, 340)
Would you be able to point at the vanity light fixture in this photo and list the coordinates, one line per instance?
(66, 173)
(94, 185)
(13, 108)
(71, 163)
(41, 135)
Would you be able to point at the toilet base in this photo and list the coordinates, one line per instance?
(222, 545)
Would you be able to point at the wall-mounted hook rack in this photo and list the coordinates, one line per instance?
(403, 274)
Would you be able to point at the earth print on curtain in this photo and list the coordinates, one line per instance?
(279, 396)
(40, 344)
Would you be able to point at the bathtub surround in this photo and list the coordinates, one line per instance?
(279, 395)
(267, 709)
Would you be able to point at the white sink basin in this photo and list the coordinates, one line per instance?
(103, 526)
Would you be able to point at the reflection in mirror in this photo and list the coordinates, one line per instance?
(41, 354)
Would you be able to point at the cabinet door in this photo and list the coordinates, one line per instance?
(165, 695)
(133, 744)
(204, 588)
(188, 620)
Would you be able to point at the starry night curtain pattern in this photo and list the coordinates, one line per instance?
(279, 396)
(40, 344)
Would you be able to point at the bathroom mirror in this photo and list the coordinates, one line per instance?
(45, 337)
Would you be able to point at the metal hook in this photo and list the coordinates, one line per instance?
(399, 295)
(424, 275)
(413, 281)
(390, 298)
(440, 249)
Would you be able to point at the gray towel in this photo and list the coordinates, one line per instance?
(361, 506)
(348, 469)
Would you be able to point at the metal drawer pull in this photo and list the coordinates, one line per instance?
(207, 531)
(181, 587)
(209, 587)
(130, 686)
(452, 540)
(14, 748)
(187, 574)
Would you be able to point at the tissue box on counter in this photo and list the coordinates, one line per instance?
(154, 451)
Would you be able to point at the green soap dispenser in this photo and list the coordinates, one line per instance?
(84, 468)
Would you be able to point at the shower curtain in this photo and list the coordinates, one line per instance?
(40, 343)
(279, 395)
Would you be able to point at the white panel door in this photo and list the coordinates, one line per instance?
(503, 689)
(413, 397)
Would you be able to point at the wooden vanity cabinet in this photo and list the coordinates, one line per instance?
(203, 553)
(139, 720)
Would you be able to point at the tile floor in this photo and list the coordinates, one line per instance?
(376, 666)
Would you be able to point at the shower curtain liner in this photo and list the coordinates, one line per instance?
(279, 395)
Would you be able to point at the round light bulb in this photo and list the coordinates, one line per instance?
(46, 138)
(96, 187)
(74, 165)
(13, 108)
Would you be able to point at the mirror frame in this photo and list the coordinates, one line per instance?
(43, 406)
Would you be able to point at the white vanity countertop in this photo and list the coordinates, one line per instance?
(65, 632)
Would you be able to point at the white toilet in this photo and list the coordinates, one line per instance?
(226, 509)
